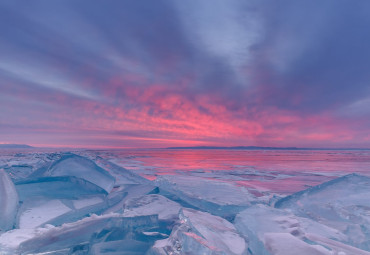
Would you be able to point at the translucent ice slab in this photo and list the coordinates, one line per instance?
(121, 247)
(90, 230)
(287, 244)
(8, 202)
(122, 175)
(40, 212)
(131, 192)
(21, 165)
(152, 204)
(74, 165)
(57, 200)
(342, 203)
(72, 207)
(18, 172)
(201, 233)
(65, 187)
(263, 226)
(217, 197)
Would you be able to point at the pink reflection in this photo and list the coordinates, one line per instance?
(280, 172)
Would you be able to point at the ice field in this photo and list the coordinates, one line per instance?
(184, 202)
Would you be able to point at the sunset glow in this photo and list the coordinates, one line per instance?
(148, 74)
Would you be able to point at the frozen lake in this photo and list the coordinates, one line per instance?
(281, 171)
(185, 201)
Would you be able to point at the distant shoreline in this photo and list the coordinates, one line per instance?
(25, 146)
(15, 146)
(259, 148)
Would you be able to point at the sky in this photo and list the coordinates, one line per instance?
(144, 74)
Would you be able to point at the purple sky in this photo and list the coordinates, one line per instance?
(89, 73)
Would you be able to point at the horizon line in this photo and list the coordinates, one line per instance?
(204, 147)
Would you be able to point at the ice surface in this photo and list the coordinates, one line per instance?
(219, 192)
(8, 202)
(40, 212)
(129, 236)
(342, 203)
(11, 240)
(203, 233)
(152, 204)
(81, 167)
(56, 200)
(122, 175)
(81, 203)
(121, 247)
(70, 235)
(287, 244)
(212, 196)
(60, 199)
(337, 247)
(131, 192)
(56, 187)
(81, 208)
(19, 171)
(351, 189)
(258, 221)
(21, 165)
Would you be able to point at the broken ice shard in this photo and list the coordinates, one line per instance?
(69, 236)
(8, 202)
(263, 226)
(212, 196)
(203, 233)
(57, 200)
(77, 166)
(67, 187)
(128, 247)
(166, 209)
(130, 192)
(342, 203)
